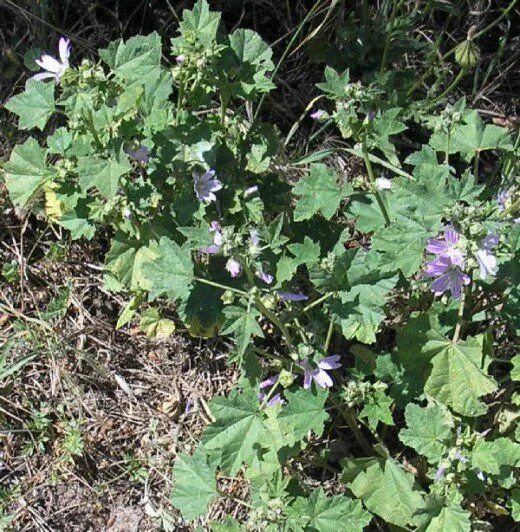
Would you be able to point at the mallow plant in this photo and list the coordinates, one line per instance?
(365, 308)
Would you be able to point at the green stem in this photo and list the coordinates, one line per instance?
(221, 286)
(475, 166)
(460, 315)
(511, 209)
(329, 335)
(317, 302)
(351, 420)
(388, 38)
(372, 180)
(452, 85)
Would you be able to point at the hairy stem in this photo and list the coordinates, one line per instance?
(372, 180)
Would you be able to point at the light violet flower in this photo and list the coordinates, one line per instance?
(265, 277)
(255, 237)
(316, 115)
(382, 183)
(449, 277)
(440, 473)
(233, 267)
(214, 248)
(141, 155)
(291, 296)
(180, 59)
(54, 68)
(319, 374)
(461, 458)
(249, 191)
(503, 200)
(448, 248)
(276, 399)
(480, 475)
(205, 185)
(486, 260)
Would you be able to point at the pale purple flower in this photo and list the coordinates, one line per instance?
(503, 199)
(461, 458)
(189, 406)
(448, 247)
(249, 191)
(316, 115)
(265, 277)
(440, 473)
(276, 399)
(255, 237)
(233, 267)
(52, 67)
(214, 248)
(205, 185)
(180, 59)
(487, 262)
(382, 183)
(319, 374)
(141, 155)
(480, 475)
(291, 296)
(452, 279)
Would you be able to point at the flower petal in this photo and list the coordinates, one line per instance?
(451, 236)
(50, 64)
(64, 49)
(436, 246)
(44, 75)
(269, 382)
(330, 362)
(441, 284)
(307, 379)
(322, 378)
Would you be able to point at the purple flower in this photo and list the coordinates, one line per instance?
(452, 278)
(255, 237)
(205, 185)
(486, 260)
(180, 59)
(447, 248)
(265, 277)
(141, 155)
(316, 115)
(291, 296)
(54, 68)
(214, 248)
(440, 473)
(276, 399)
(319, 374)
(503, 199)
(233, 267)
(461, 458)
(250, 190)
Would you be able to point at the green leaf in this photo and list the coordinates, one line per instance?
(168, 270)
(320, 193)
(388, 491)
(335, 83)
(136, 60)
(25, 172)
(307, 253)
(458, 376)
(384, 126)
(402, 246)
(243, 323)
(436, 516)
(515, 505)
(474, 137)
(103, 174)
(429, 431)
(378, 409)
(492, 456)
(233, 437)
(195, 484)
(202, 311)
(515, 371)
(319, 513)
(305, 411)
(251, 49)
(34, 106)
(59, 141)
(154, 326)
(200, 24)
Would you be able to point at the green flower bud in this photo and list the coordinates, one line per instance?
(286, 378)
(227, 297)
(467, 54)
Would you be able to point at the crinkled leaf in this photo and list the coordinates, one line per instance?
(25, 172)
(319, 192)
(458, 377)
(34, 106)
(233, 438)
(169, 271)
(319, 513)
(195, 484)
(243, 323)
(388, 491)
(200, 24)
(335, 83)
(491, 456)
(429, 431)
(102, 174)
(154, 326)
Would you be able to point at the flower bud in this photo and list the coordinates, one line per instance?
(286, 378)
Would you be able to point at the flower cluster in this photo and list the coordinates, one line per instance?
(450, 261)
